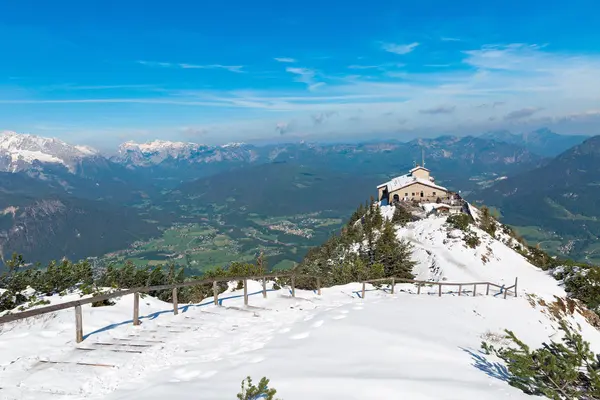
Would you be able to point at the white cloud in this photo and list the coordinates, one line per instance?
(307, 76)
(511, 86)
(231, 68)
(285, 59)
(399, 48)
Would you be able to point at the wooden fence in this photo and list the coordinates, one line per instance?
(76, 304)
(136, 299)
(419, 284)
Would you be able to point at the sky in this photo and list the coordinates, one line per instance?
(103, 72)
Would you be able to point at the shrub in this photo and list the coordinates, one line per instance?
(567, 370)
(401, 215)
(471, 239)
(252, 392)
(487, 223)
(459, 221)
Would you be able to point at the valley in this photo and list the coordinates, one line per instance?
(219, 238)
(202, 206)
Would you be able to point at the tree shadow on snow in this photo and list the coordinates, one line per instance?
(491, 368)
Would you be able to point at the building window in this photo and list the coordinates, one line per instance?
(406, 194)
(434, 193)
(413, 194)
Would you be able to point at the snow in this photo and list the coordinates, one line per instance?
(404, 180)
(30, 156)
(157, 145)
(336, 345)
(28, 148)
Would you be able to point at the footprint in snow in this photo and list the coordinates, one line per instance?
(358, 308)
(185, 374)
(298, 336)
(256, 360)
(318, 324)
(344, 311)
(308, 318)
(341, 316)
(207, 374)
(284, 330)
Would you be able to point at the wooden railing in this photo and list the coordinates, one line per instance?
(419, 284)
(145, 289)
(76, 304)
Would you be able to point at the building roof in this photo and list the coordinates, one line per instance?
(418, 167)
(402, 181)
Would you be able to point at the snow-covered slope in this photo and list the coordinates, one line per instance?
(20, 151)
(332, 346)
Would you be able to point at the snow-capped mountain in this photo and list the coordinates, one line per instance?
(160, 151)
(20, 152)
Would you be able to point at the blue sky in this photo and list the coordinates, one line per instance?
(102, 72)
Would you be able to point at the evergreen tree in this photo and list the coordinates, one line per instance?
(393, 254)
(252, 392)
(567, 370)
(487, 223)
(401, 215)
(377, 218)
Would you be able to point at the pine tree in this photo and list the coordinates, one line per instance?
(393, 254)
(486, 222)
(377, 218)
(401, 216)
(252, 392)
(567, 370)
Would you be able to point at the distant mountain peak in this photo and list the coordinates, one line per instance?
(542, 141)
(156, 145)
(20, 151)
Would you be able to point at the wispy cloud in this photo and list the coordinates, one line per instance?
(231, 68)
(364, 66)
(307, 76)
(529, 78)
(449, 39)
(439, 110)
(378, 66)
(285, 59)
(399, 48)
(194, 132)
(522, 113)
(283, 127)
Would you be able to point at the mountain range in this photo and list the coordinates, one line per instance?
(557, 203)
(53, 194)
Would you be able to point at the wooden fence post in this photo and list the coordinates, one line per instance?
(175, 305)
(487, 292)
(364, 289)
(393, 283)
(215, 293)
(78, 325)
(245, 292)
(264, 288)
(516, 281)
(318, 286)
(459, 289)
(440, 290)
(293, 285)
(505, 292)
(418, 288)
(474, 289)
(136, 308)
